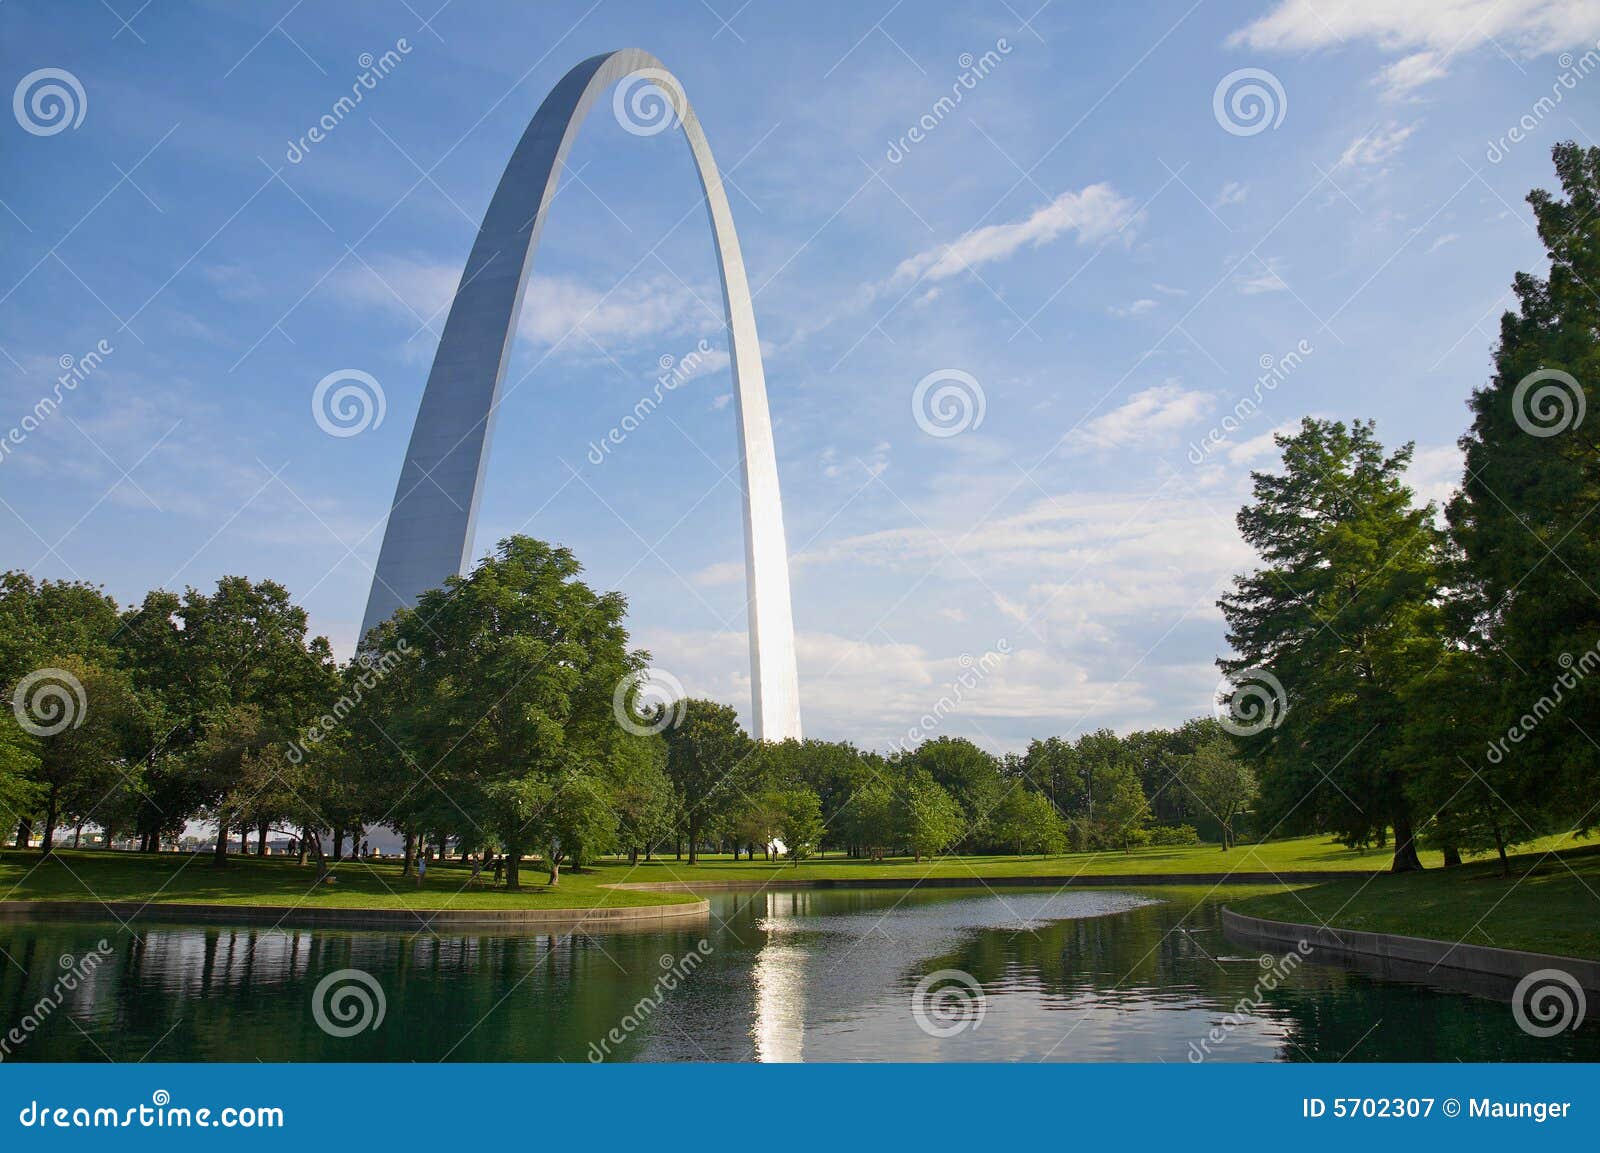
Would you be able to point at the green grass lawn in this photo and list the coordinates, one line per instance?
(1300, 854)
(170, 878)
(1549, 904)
(174, 878)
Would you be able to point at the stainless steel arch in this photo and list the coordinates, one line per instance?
(430, 531)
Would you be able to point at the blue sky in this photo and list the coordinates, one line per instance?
(1095, 235)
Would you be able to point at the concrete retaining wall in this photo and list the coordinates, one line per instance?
(1510, 965)
(600, 920)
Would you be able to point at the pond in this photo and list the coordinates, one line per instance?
(829, 975)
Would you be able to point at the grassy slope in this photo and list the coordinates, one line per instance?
(1549, 904)
(1301, 854)
(175, 878)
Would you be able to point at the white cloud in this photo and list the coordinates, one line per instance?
(1377, 146)
(1095, 214)
(1429, 33)
(1443, 239)
(1137, 308)
(1231, 193)
(1148, 417)
(554, 309)
(1265, 278)
(1436, 472)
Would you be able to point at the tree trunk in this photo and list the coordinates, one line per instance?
(261, 840)
(411, 855)
(555, 869)
(1452, 856)
(50, 822)
(694, 841)
(513, 861)
(1500, 847)
(77, 836)
(219, 855)
(24, 832)
(1405, 845)
(338, 844)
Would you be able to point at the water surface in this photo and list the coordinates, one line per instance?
(821, 975)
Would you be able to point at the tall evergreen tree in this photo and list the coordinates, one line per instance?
(1342, 614)
(1524, 516)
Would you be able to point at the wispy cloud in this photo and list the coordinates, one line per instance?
(1095, 214)
(1149, 417)
(1430, 34)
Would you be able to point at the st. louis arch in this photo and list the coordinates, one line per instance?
(430, 531)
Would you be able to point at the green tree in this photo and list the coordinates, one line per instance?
(1341, 615)
(930, 818)
(705, 749)
(84, 715)
(508, 718)
(1026, 822)
(1522, 519)
(799, 822)
(1221, 784)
